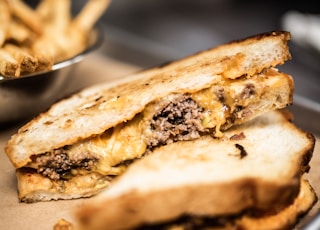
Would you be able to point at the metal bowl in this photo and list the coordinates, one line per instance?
(24, 97)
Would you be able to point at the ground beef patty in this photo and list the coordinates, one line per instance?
(179, 120)
(57, 163)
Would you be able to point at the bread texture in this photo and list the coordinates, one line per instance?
(255, 166)
(284, 219)
(101, 107)
(34, 187)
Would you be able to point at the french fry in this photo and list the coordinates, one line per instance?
(20, 34)
(73, 43)
(26, 15)
(8, 65)
(45, 62)
(73, 37)
(89, 15)
(56, 14)
(27, 63)
(49, 45)
(81, 25)
(33, 39)
(4, 21)
(61, 15)
(43, 9)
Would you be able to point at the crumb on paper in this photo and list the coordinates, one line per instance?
(63, 224)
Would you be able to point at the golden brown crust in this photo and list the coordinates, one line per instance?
(33, 187)
(137, 206)
(283, 219)
(287, 217)
(286, 36)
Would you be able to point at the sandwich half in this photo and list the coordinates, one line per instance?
(81, 143)
(249, 179)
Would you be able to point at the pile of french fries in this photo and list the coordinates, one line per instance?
(33, 39)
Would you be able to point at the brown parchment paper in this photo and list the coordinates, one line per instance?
(43, 215)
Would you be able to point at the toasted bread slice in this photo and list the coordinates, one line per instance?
(104, 106)
(284, 219)
(256, 165)
(33, 187)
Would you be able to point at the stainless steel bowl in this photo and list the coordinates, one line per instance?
(24, 97)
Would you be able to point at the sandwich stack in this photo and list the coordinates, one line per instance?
(202, 142)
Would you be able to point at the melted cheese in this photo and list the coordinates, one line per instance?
(128, 140)
(215, 110)
(122, 143)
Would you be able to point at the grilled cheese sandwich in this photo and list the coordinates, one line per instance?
(95, 134)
